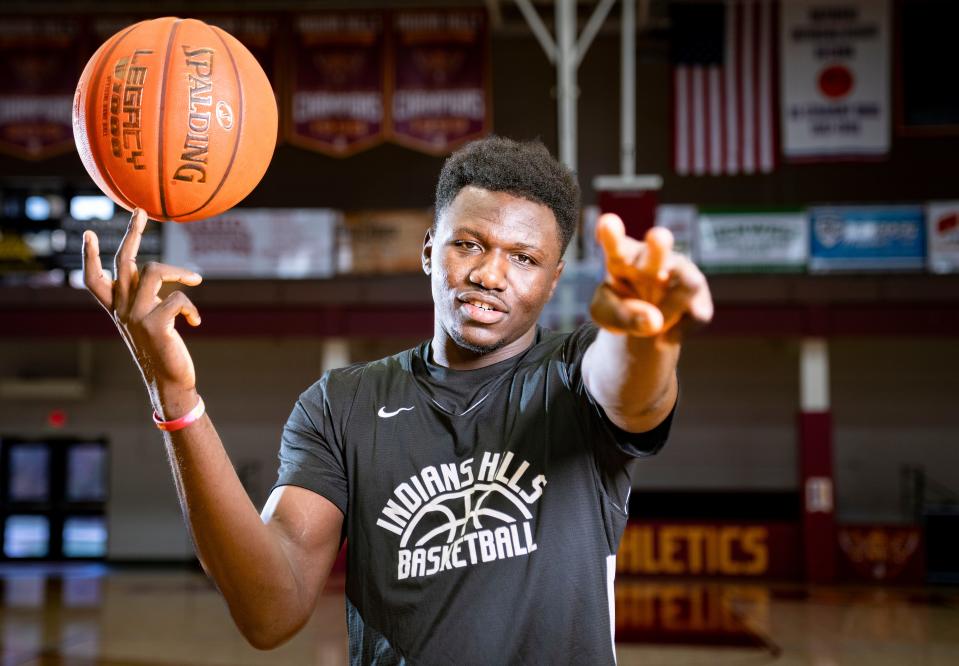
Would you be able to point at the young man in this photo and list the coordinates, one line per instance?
(482, 477)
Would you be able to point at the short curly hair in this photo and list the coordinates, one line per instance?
(521, 168)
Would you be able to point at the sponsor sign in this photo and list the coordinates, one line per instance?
(67, 241)
(867, 238)
(382, 241)
(710, 549)
(881, 554)
(337, 82)
(835, 78)
(680, 219)
(731, 241)
(255, 243)
(440, 72)
(942, 220)
(40, 63)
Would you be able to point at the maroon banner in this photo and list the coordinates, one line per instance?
(754, 550)
(441, 83)
(636, 208)
(338, 78)
(40, 63)
(881, 554)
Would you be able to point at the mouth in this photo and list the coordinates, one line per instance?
(482, 308)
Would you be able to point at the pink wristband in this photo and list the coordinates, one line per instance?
(183, 421)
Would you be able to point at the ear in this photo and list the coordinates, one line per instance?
(427, 256)
(559, 271)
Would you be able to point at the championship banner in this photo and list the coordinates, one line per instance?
(942, 219)
(760, 550)
(752, 242)
(835, 78)
(288, 243)
(335, 100)
(881, 554)
(680, 219)
(441, 82)
(40, 62)
(867, 238)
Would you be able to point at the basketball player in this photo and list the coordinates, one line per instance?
(482, 477)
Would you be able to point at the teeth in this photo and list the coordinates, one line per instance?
(482, 306)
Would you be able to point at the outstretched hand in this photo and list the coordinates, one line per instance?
(145, 320)
(649, 290)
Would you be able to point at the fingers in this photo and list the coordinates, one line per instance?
(164, 315)
(93, 278)
(621, 253)
(686, 296)
(659, 245)
(649, 288)
(625, 315)
(152, 278)
(125, 262)
(610, 231)
(635, 268)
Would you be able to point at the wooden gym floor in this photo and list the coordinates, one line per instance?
(86, 615)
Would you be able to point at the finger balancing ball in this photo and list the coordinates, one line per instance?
(176, 117)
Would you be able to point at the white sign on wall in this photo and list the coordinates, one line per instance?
(680, 219)
(752, 242)
(256, 243)
(942, 220)
(834, 78)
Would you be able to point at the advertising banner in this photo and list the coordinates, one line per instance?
(680, 219)
(441, 80)
(752, 241)
(255, 243)
(835, 100)
(881, 238)
(337, 84)
(942, 220)
(382, 241)
(712, 549)
(110, 230)
(40, 62)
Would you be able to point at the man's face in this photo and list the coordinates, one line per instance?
(494, 261)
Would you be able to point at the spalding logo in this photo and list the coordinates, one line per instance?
(224, 115)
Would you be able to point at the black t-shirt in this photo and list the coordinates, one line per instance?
(483, 508)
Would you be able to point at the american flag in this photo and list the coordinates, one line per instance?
(723, 62)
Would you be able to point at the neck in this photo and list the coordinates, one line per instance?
(450, 355)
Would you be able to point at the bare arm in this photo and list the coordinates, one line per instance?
(651, 295)
(269, 568)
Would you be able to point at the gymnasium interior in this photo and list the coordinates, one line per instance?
(805, 509)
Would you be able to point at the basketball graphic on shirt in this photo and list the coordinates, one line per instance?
(461, 514)
(451, 515)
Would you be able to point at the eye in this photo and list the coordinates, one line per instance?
(465, 245)
(524, 259)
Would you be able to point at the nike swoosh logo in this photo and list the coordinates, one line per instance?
(385, 414)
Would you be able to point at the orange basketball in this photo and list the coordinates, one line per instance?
(176, 117)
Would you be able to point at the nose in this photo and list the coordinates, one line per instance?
(490, 271)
